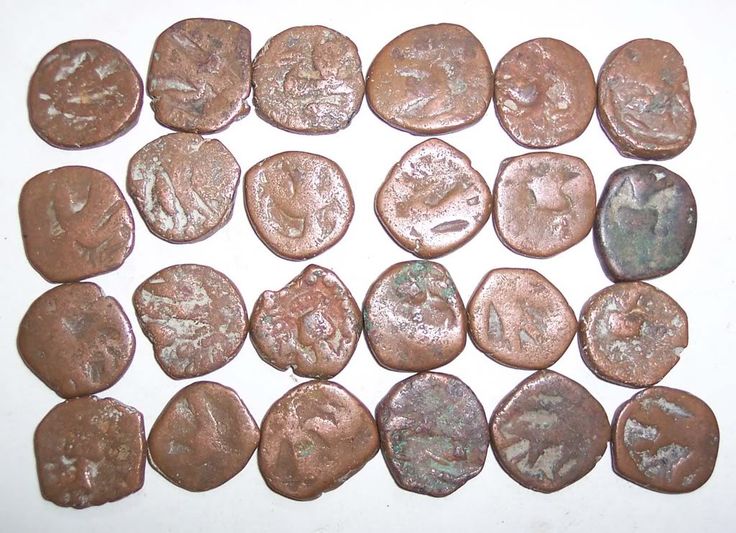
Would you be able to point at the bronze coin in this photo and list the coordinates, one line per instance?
(312, 325)
(434, 435)
(548, 432)
(414, 317)
(84, 93)
(299, 204)
(90, 451)
(518, 318)
(544, 93)
(195, 318)
(183, 186)
(199, 76)
(76, 340)
(313, 439)
(431, 80)
(544, 203)
(204, 436)
(75, 224)
(308, 79)
(644, 100)
(433, 201)
(645, 223)
(665, 440)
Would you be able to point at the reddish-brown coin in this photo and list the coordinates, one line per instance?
(199, 75)
(665, 440)
(204, 436)
(75, 224)
(544, 203)
(313, 439)
(518, 318)
(644, 100)
(431, 80)
(183, 186)
(433, 201)
(76, 340)
(414, 318)
(90, 451)
(84, 93)
(548, 432)
(195, 318)
(434, 434)
(299, 204)
(308, 79)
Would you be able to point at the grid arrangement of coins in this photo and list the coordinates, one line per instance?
(434, 435)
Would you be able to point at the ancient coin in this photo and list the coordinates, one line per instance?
(308, 79)
(84, 93)
(665, 440)
(195, 318)
(544, 203)
(644, 100)
(433, 201)
(313, 439)
(76, 340)
(645, 223)
(434, 435)
(299, 204)
(414, 317)
(90, 451)
(75, 224)
(518, 318)
(548, 432)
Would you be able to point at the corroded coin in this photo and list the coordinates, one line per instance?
(434, 435)
(433, 201)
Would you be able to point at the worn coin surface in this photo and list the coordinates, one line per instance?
(548, 432)
(84, 93)
(645, 223)
(431, 80)
(644, 100)
(183, 186)
(433, 201)
(195, 318)
(665, 440)
(90, 451)
(75, 224)
(313, 439)
(544, 203)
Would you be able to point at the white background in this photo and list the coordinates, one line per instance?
(370, 501)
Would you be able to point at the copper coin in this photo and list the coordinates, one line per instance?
(204, 436)
(548, 432)
(414, 317)
(76, 340)
(75, 224)
(195, 318)
(299, 204)
(431, 80)
(183, 186)
(544, 93)
(518, 318)
(312, 325)
(199, 76)
(84, 93)
(544, 203)
(645, 223)
(434, 435)
(308, 79)
(313, 439)
(665, 440)
(90, 451)
(433, 201)
(644, 100)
